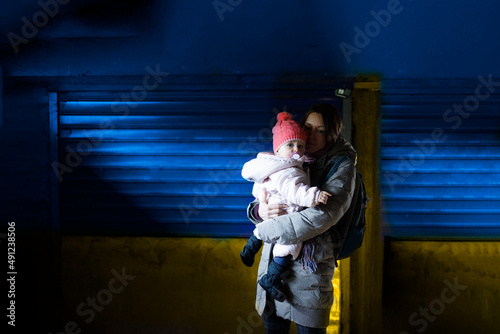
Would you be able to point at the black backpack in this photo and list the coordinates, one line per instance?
(349, 232)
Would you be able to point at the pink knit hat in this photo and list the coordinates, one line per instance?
(285, 130)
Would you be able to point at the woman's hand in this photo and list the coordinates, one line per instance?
(268, 211)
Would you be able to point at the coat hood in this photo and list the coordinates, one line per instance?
(259, 169)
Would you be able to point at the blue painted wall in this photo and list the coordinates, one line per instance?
(397, 39)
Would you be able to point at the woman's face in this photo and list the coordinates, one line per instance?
(316, 132)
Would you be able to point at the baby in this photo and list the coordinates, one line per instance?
(284, 180)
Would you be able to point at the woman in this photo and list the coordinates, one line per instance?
(310, 286)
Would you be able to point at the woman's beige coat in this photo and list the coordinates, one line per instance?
(310, 294)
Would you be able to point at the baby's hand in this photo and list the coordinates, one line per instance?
(323, 197)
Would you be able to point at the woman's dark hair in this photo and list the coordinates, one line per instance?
(331, 118)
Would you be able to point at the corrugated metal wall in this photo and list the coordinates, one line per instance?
(440, 159)
(169, 164)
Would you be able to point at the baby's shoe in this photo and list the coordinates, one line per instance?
(251, 248)
(271, 282)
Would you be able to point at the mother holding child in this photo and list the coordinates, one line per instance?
(293, 217)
